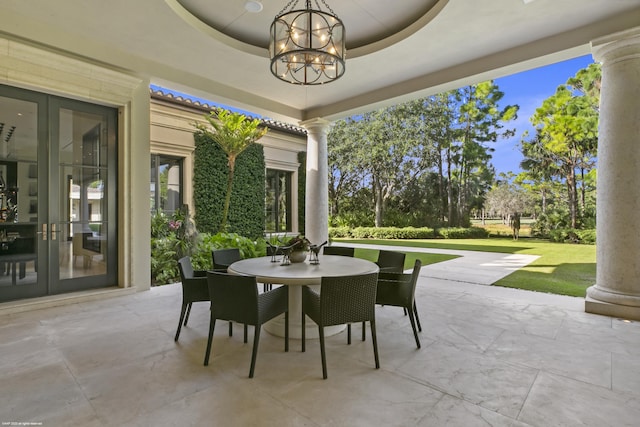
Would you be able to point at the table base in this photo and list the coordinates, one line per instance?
(276, 326)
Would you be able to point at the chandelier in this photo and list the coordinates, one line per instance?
(306, 46)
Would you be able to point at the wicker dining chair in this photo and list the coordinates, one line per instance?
(344, 299)
(399, 290)
(223, 258)
(194, 289)
(236, 298)
(338, 250)
(391, 261)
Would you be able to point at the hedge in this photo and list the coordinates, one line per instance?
(246, 211)
(407, 233)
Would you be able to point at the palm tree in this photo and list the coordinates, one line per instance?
(233, 132)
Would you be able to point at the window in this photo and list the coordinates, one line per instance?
(166, 183)
(278, 201)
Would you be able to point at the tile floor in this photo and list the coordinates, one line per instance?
(490, 357)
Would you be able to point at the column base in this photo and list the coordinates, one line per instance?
(595, 303)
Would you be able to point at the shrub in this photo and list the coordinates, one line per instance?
(382, 233)
(462, 233)
(201, 257)
(571, 235)
(172, 237)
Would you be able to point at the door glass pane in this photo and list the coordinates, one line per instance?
(82, 210)
(18, 194)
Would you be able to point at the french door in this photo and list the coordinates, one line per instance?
(57, 195)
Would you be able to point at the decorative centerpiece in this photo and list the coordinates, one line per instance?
(299, 247)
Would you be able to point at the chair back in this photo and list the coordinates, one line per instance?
(185, 267)
(348, 299)
(338, 250)
(233, 297)
(398, 288)
(223, 258)
(391, 261)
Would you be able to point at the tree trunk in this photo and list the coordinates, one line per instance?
(227, 199)
(449, 189)
(377, 191)
(573, 197)
(443, 202)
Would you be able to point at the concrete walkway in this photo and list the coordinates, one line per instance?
(481, 268)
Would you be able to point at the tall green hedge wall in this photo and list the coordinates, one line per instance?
(246, 211)
(302, 188)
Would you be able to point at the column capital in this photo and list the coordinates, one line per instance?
(617, 47)
(317, 124)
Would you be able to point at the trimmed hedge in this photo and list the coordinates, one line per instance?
(407, 233)
(302, 188)
(246, 211)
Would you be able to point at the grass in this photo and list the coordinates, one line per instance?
(563, 268)
(425, 258)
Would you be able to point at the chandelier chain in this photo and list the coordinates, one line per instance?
(291, 4)
(327, 6)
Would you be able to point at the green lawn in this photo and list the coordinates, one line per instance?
(563, 268)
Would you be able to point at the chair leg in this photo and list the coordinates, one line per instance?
(245, 333)
(186, 319)
(363, 331)
(254, 353)
(415, 310)
(349, 333)
(182, 314)
(212, 326)
(375, 342)
(322, 352)
(230, 328)
(413, 326)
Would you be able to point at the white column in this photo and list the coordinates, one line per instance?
(317, 187)
(617, 289)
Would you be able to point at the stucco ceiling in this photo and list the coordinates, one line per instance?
(399, 49)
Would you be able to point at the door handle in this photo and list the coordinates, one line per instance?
(54, 232)
(43, 232)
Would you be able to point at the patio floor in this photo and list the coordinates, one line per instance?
(490, 356)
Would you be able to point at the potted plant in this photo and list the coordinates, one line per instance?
(300, 247)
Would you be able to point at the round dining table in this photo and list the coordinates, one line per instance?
(295, 275)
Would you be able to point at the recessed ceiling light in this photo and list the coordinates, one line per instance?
(253, 6)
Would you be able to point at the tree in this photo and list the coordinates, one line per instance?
(479, 122)
(234, 133)
(345, 171)
(564, 146)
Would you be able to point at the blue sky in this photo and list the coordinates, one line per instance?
(528, 90)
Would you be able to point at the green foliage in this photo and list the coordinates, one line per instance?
(246, 211)
(382, 233)
(571, 235)
(233, 133)
(462, 233)
(418, 163)
(302, 185)
(563, 149)
(201, 257)
(172, 237)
